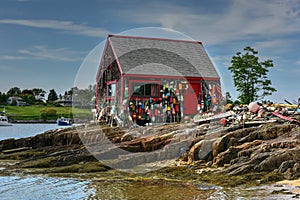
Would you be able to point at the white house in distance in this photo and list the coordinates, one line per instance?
(18, 101)
(40, 97)
(66, 100)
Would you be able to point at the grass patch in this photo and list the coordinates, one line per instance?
(89, 167)
(35, 112)
(40, 163)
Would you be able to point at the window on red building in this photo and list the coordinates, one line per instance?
(145, 89)
(111, 90)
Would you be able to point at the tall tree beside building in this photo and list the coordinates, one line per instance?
(52, 96)
(250, 76)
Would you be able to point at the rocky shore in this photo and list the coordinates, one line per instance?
(208, 153)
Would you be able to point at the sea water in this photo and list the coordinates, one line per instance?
(25, 130)
(43, 187)
(39, 187)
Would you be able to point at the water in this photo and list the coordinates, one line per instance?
(25, 130)
(38, 187)
(42, 187)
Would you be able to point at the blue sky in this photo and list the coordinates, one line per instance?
(44, 42)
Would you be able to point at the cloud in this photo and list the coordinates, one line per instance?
(272, 44)
(7, 57)
(239, 20)
(223, 60)
(44, 53)
(41, 52)
(68, 26)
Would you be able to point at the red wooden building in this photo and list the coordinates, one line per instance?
(154, 79)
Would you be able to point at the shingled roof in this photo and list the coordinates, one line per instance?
(153, 56)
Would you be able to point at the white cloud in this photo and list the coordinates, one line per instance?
(70, 27)
(44, 53)
(61, 54)
(241, 20)
(272, 44)
(223, 60)
(7, 57)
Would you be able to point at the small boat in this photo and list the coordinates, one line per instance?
(4, 119)
(64, 121)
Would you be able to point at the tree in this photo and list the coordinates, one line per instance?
(39, 95)
(228, 98)
(26, 91)
(38, 92)
(70, 92)
(52, 95)
(250, 76)
(14, 91)
(84, 97)
(3, 98)
(28, 98)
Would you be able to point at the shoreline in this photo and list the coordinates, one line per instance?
(33, 122)
(40, 122)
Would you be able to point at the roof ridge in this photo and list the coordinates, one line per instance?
(153, 38)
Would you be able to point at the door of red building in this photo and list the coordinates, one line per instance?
(191, 99)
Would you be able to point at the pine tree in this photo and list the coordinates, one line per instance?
(52, 95)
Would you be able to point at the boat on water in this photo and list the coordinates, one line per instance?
(4, 119)
(64, 121)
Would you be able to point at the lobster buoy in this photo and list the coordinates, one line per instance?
(253, 107)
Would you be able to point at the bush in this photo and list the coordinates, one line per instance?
(236, 102)
(48, 113)
(51, 112)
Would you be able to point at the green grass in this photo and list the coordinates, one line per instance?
(34, 112)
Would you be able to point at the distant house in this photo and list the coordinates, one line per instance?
(66, 100)
(18, 101)
(40, 97)
(160, 78)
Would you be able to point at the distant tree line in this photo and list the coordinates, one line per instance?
(30, 96)
(37, 96)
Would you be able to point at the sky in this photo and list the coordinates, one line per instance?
(46, 43)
